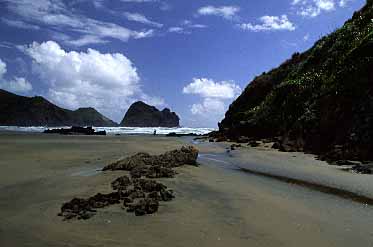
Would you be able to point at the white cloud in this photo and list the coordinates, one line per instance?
(190, 24)
(209, 107)
(2, 68)
(16, 85)
(56, 15)
(20, 24)
(186, 27)
(142, 19)
(83, 41)
(227, 12)
(208, 88)
(139, 1)
(177, 30)
(109, 82)
(215, 96)
(313, 8)
(306, 37)
(270, 23)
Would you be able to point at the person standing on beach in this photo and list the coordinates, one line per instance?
(155, 132)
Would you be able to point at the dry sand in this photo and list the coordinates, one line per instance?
(215, 204)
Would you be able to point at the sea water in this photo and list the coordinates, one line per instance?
(119, 130)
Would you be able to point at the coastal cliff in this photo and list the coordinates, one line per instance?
(142, 115)
(318, 101)
(18, 110)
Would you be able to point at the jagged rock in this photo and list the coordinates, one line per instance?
(276, 145)
(142, 115)
(139, 171)
(154, 195)
(75, 130)
(121, 183)
(243, 139)
(254, 144)
(127, 164)
(361, 169)
(160, 172)
(144, 206)
(149, 185)
(234, 146)
(173, 134)
(167, 195)
(85, 208)
(175, 158)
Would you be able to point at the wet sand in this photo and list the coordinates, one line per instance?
(216, 204)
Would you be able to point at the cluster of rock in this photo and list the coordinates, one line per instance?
(138, 193)
(75, 131)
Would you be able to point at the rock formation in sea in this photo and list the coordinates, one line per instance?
(319, 101)
(142, 115)
(76, 130)
(18, 110)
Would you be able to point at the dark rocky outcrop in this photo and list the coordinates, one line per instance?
(75, 131)
(142, 115)
(140, 193)
(173, 134)
(18, 110)
(171, 159)
(318, 101)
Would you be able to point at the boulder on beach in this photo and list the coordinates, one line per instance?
(175, 158)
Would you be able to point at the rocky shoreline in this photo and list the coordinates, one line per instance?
(139, 192)
(336, 158)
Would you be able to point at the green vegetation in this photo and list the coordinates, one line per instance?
(321, 98)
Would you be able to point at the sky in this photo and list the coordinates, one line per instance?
(194, 57)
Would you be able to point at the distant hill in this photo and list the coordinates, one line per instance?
(142, 115)
(319, 101)
(18, 110)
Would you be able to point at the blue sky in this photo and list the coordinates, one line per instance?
(194, 57)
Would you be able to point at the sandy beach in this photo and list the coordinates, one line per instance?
(216, 204)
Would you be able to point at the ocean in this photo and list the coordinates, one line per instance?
(118, 130)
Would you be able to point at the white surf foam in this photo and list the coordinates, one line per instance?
(119, 130)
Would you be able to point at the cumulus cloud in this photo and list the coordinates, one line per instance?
(16, 85)
(56, 15)
(270, 23)
(109, 82)
(208, 107)
(214, 96)
(227, 12)
(208, 88)
(313, 8)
